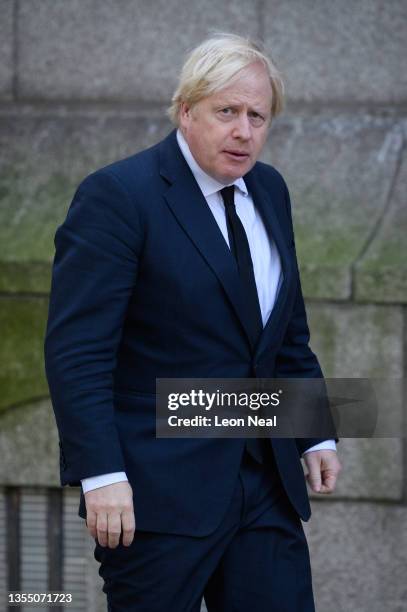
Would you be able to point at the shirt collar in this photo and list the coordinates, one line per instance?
(207, 184)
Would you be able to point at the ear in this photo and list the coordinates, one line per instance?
(185, 114)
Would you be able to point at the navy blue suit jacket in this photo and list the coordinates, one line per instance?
(144, 286)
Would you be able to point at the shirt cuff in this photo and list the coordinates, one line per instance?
(95, 482)
(325, 445)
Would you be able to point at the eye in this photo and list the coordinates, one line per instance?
(226, 112)
(256, 119)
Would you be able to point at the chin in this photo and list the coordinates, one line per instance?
(228, 178)
(236, 173)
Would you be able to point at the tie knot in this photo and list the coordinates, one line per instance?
(228, 195)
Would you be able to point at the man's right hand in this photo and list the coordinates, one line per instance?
(109, 511)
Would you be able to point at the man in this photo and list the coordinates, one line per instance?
(161, 272)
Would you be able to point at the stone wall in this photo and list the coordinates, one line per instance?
(83, 83)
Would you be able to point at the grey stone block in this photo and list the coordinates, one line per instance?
(6, 48)
(381, 274)
(357, 340)
(121, 50)
(339, 171)
(359, 556)
(22, 376)
(339, 52)
(365, 341)
(45, 157)
(29, 446)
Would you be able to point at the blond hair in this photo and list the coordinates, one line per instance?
(210, 67)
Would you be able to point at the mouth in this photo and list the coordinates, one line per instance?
(236, 154)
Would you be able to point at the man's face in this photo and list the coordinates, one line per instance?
(226, 131)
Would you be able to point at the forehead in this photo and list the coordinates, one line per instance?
(250, 86)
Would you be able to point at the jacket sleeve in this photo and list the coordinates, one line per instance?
(94, 271)
(295, 358)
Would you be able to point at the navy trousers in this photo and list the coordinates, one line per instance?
(257, 559)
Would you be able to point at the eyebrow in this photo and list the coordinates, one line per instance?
(256, 109)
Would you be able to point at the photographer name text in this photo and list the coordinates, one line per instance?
(217, 421)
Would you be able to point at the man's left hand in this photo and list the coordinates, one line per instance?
(323, 469)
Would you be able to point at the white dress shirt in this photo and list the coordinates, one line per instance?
(266, 264)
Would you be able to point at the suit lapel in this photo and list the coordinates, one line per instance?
(189, 206)
(263, 201)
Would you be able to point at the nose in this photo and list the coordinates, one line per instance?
(242, 128)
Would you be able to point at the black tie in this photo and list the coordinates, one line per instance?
(239, 246)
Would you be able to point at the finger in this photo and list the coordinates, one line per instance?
(114, 528)
(101, 528)
(328, 482)
(91, 522)
(314, 481)
(314, 474)
(129, 526)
